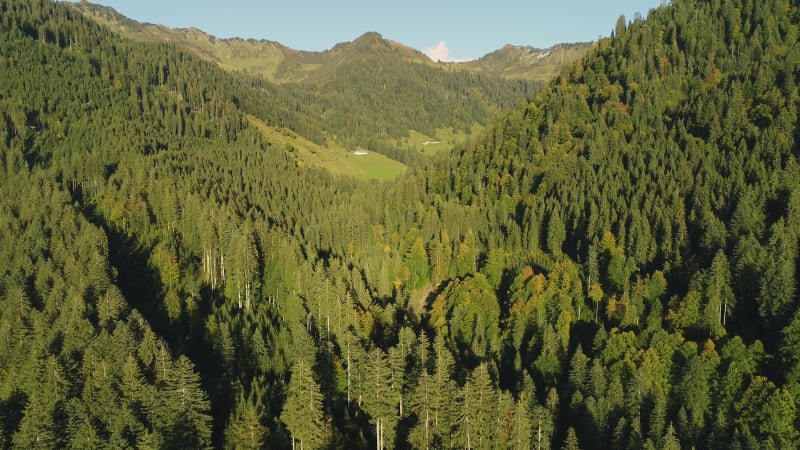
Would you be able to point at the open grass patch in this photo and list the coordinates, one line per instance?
(359, 163)
(444, 140)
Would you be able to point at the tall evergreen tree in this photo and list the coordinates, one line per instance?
(478, 410)
(302, 411)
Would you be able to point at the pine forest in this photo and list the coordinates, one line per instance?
(604, 260)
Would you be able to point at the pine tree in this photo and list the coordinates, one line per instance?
(571, 441)
(188, 424)
(522, 431)
(478, 413)
(38, 428)
(670, 441)
(421, 397)
(245, 431)
(444, 391)
(719, 294)
(302, 411)
(417, 258)
(556, 233)
(778, 283)
(380, 400)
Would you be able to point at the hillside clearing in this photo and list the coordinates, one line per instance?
(358, 163)
(443, 140)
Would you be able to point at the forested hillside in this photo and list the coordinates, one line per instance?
(613, 264)
(368, 93)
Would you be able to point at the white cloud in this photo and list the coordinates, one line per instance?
(438, 53)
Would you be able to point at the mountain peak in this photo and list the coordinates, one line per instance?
(370, 40)
(369, 36)
(371, 43)
(526, 62)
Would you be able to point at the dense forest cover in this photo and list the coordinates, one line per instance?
(613, 264)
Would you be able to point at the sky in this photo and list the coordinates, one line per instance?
(447, 30)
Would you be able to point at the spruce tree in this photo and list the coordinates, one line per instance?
(302, 411)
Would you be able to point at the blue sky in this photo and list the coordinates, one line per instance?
(448, 29)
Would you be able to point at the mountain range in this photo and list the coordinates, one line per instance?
(279, 63)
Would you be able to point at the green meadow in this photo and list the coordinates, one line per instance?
(444, 140)
(359, 163)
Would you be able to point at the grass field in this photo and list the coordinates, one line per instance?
(360, 163)
(444, 140)
(336, 159)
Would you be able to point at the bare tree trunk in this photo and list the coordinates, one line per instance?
(247, 295)
(348, 373)
(539, 435)
(596, 310)
(377, 434)
(212, 267)
(725, 313)
(427, 424)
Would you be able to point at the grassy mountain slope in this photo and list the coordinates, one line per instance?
(259, 57)
(358, 163)
(527, 63)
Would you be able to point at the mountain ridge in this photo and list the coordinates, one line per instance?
(280, 63)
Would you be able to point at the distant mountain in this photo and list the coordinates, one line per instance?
(321, 66)
(527, 63)
(371, 92)
(279, 63)
(261, 57)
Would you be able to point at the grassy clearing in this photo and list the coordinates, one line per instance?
(444, 140)
(336, 159)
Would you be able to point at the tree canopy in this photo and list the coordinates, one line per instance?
(613, 263)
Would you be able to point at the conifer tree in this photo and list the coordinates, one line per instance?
(571, 441)
(380, 400)
(188, 424)
(444, 391)
(302, 411)
(478, 410)
(245, 430)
